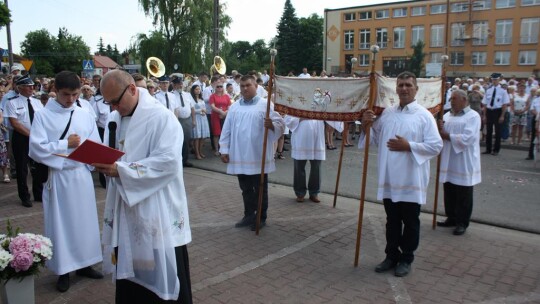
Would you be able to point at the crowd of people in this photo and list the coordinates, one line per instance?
(145, 188)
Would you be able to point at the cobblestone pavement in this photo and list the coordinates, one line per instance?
(305, 254)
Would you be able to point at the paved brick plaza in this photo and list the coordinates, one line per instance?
(306, 252)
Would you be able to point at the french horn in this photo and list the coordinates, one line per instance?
(218, 67)
(155, 67)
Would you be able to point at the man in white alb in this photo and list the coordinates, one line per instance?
(69, 201)
(460, 161)
(407, 138)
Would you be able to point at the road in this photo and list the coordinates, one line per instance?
(507, 197)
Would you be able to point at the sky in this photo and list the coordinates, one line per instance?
(118, 21)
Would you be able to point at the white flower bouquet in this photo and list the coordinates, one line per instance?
(22, 254)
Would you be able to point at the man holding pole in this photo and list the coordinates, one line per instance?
(241, 147)
(407, 138)
(460, 161)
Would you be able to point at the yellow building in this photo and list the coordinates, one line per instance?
(483, 36)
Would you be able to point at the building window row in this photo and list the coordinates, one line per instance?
(527, 57)
(435, 9)
(529, 32)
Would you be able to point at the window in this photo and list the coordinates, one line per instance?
(382, 14)
(349, 39)
(365, 39)
(480, 33)
(363, 60)
(349, 16)
(382, 37)
(364, 15)
(438, 9)
(400, 12)
(480, 5)
(527, 57)
(417, 34)
(502, 58)
(437, 35)
(529, 30)
(399, 37)
(457, 58)
(458, 34)
(459, 7)
(436, 57)
(418, 11)
(530, 2)
(505, 3)
(503, 33)
(478, 58)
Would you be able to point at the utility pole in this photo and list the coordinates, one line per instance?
(215, 42)
(8, 32)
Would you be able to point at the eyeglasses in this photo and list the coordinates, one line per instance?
(117, 101)
(219, 86)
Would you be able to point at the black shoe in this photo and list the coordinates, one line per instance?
(495, 153)
(89, 272)
(62, 284)
(188, 165)
(529, 158)
(446, 223)
(385, 265)
(261, 225)
(27, 203)
(486, 152)
(460, 230)
(246, 221)
(402, 269)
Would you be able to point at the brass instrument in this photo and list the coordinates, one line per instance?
(155, 67)
(218, 67)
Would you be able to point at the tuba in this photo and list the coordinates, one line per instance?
(218, 67)
(155, 67)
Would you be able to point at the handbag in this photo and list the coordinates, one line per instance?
(42, 170)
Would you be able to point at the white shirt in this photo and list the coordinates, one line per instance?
(206, 97)
(304, 75)
(404, 176)
(102, 110)
(184, 111)
(307, 140)
(501, 98)
(18, 108)
(173, 102)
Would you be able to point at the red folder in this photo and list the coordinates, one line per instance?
(91, 152)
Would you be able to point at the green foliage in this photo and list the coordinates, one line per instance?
(187, 28)
(54, 54)
(416, 62)
(287, 41)
(101, 47)
(5, 15)
(244, 57)
(311, 42)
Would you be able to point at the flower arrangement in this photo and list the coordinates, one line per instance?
(22, 254)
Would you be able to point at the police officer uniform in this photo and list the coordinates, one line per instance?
(495, 102)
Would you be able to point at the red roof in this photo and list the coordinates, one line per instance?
(104, 62)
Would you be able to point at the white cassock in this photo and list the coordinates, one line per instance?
(307, 139)
(242, 137)
(146, 214)
(404, 176)
(69, 201)
(87, 106)
(460, 157)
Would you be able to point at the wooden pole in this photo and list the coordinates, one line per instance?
(265, 141)
(345, 133)
(439, 117)
(372, 93)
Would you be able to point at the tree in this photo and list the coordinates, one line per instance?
(54, 54)
(416, 62)
(101, 47)
(5, 15)
(287, 41)
(187, 30)
(149, 46)
(311, 42)
(39, 46)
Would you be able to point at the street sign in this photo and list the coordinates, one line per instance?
(5, 53)
(27, 64)
(88, 65)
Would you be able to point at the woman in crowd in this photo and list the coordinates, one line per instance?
(219, 102)
(519, 106)
(151, 87)
(201, 131)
